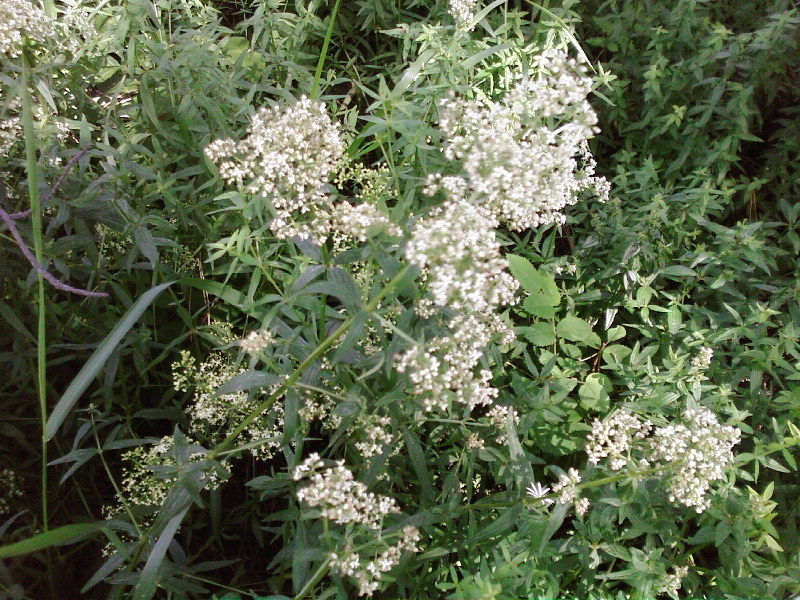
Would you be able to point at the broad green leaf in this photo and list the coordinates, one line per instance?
(541, 286)
(674, 319)
(539, 334)
(538, 308)
(54, 537)
(594, 392)
(615, 333)
(574, 329)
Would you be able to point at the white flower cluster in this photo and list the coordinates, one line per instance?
(22, 19)
(140, 486)
(673, 582)
(498, 415)
(690, 456)
(459, 254)
(442, 370)
(520, 159)
(568, 492)
(526, 156)
(474, 442)
(308, 466)
(462, 13)
(377, 436)
(320, 407)
(75, 27)
(703, 359)
(368, 573)
(212, 416)
(360, 222)
(612, 438)
(457, 249)
(697, 453)
(256, 341)
(9, 490)
(340, 497)
(287, 157)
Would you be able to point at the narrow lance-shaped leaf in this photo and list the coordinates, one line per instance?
(148, 581)
(54, 537)
(98, 359)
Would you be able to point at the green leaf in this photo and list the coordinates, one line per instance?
(483, 54)
(98, 359)
(417, 456)
(541, 286)
(594, 392)
(674, 319)
(220, 290)
(679, 271)
(146, 244)
(148, 580)
(247, 381)
(507, 520)
(615, 333)
(539, 334)
(773, 464)
(54, 537)
(721, 533)
(574, 329)
(13, 320)
(536, 307)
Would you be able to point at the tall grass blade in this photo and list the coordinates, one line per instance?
(98, 359)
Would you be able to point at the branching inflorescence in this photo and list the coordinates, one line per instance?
(523, 160)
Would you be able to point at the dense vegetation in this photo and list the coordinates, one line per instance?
(402, 299)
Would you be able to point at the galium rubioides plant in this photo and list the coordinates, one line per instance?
(406, 363)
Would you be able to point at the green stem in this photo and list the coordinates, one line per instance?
(111, 478)
(324, 53)
(315, 579)
(32, 170)
(292, 379)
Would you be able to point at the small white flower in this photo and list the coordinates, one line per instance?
(539, 491)
(581, 506)
(703, 359)
(287, 157)
(256, 341)
(461, 11)
(567, 486)
(22, 19)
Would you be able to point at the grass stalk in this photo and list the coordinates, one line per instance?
(324, 53)
(32, 171)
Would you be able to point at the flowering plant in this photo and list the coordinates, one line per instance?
(406, 314)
